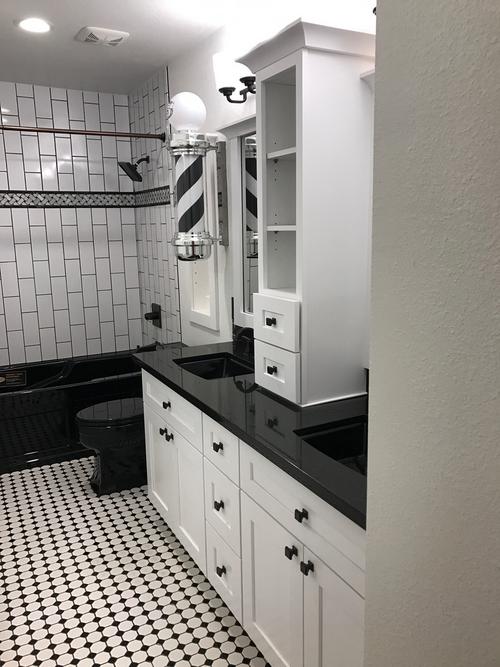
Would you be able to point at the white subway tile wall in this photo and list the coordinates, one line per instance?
(69, 281)
(158, 282)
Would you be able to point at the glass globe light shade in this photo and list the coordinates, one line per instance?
(189, 112)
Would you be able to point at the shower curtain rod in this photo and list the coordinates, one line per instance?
(92, 133)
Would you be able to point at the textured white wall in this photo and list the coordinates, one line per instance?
(433, 567)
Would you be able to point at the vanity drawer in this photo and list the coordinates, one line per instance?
(277, 321)
(175, 410)
(278, 370)
(224, 571)
(222, 506)
(337, 540)
(221, 448)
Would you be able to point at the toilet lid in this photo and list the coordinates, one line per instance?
(117, 412)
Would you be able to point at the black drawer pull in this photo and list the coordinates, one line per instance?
(300, 515)
(305, 568)
(168, 436)
(220, 570)
(290, 552)
(272, 370)
(272, 422)
(270, 321)
(217, 446)
(166, 405)
(218, 505)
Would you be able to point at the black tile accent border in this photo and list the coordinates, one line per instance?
(55, 199)
(153, 197)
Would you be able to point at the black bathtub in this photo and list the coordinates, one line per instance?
(38, 404)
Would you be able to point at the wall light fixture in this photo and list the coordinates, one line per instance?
(248, 82)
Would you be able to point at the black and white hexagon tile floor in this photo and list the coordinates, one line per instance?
(90, 580)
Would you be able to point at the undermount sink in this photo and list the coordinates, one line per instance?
(215, 366)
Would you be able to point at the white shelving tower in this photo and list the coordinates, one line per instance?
(314, 134)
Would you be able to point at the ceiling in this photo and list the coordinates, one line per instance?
(159, 30)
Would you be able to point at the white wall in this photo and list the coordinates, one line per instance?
(68, 269)
(158, 281)
(433, 562)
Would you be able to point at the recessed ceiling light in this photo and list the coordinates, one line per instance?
(33, 24)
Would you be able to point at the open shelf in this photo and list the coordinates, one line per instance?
(281, 260)
(283, 154)
(281, 228)
(280, 204)
(280, 112)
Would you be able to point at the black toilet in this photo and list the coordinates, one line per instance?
(115, 431)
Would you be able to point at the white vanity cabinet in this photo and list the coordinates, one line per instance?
(272, 586)
(175, 469)
(288, 565)
(333, 619)
(317, 594)
(163, 474)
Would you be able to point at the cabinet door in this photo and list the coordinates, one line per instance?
(163, 483)
(333, 619)
(272, 587)
(191, 524)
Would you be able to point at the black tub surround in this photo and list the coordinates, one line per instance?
(38, 404)
(330, 461)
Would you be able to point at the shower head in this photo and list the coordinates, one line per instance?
(131, 168)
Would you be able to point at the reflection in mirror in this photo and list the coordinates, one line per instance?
(249, 218)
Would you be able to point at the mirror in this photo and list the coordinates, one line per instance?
(249, 236)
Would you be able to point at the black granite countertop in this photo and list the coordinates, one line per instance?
(270, 425)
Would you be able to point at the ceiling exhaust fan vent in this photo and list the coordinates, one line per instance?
(104, 36)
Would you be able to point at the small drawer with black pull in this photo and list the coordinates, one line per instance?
(278, 370)
(224, 571)
(221, 448)
(277, 321)
(178, 413)
(222, 506)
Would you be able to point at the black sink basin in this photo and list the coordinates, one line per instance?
(344, 442)
(214, 366)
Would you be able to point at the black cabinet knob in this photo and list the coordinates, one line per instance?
(305, 568)
(220, 570)
(162, 431)
(270, 321)
(272, 370)
(300, 515)
(218, 505)
(166, 405)
(217, 446)
(272, 422)
(290, 552)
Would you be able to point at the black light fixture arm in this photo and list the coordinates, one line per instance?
(248, 82)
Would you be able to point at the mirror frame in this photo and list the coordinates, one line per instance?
(233, 134)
